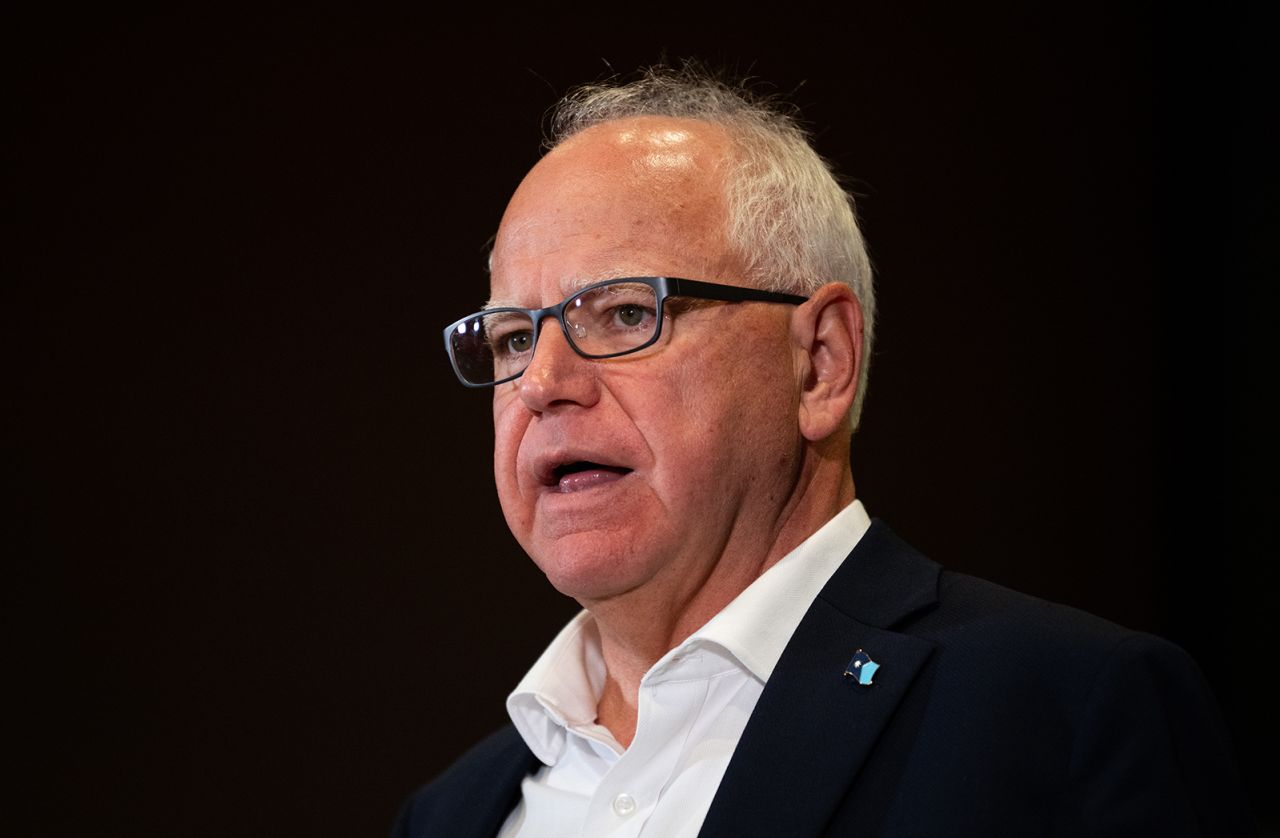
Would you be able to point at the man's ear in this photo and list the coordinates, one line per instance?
(827, 334)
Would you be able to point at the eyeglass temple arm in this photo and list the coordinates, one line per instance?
(728, 293)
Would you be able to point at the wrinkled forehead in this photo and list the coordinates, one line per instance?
(636, 197)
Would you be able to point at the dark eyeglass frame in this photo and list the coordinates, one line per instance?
(663, 287)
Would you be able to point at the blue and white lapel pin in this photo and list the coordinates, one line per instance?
(862, 668)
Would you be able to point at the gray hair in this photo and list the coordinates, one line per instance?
(790, 221)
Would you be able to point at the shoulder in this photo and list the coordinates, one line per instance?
(886, 583)
(990, 643)
(483, 784)
(1127, 717)
(1031, 638)
(969, 605)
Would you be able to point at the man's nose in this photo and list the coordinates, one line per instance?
(557, 375)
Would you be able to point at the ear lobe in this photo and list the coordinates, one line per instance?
(828, 331)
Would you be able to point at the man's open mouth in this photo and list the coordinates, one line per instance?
(584, 474)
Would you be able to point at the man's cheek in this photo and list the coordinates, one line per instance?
(506, 449)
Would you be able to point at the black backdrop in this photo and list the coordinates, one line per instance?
(259, 581)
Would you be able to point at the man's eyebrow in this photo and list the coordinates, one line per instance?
(567, 288)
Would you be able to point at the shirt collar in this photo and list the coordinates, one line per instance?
(757, 625)
(562, 688)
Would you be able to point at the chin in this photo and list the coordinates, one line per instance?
(589, 571)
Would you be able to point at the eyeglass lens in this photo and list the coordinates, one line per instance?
(605, 320)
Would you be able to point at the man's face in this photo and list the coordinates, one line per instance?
(640, 472)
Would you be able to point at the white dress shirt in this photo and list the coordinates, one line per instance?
(693, 706)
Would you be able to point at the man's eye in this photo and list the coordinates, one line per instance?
(630, 315)
(515, 343)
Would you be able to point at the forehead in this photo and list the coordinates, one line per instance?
(630, 197)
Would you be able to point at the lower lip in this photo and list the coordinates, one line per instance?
(581, 481)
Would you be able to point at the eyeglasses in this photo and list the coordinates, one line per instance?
(604, 320)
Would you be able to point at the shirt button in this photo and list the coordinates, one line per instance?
(624, 805)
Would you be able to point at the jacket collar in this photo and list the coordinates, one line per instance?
(884, 581)
(813, 727)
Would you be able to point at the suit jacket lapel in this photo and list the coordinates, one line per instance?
(813, 727)
(489, 813)
(473, 799)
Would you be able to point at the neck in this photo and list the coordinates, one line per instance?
(638, 628)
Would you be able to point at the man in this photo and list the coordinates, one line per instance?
(677, 335)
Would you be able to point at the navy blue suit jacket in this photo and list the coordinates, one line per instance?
(992, 714)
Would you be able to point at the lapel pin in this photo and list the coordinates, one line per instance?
(861, 667)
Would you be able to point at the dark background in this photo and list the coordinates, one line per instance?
(260, 583)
